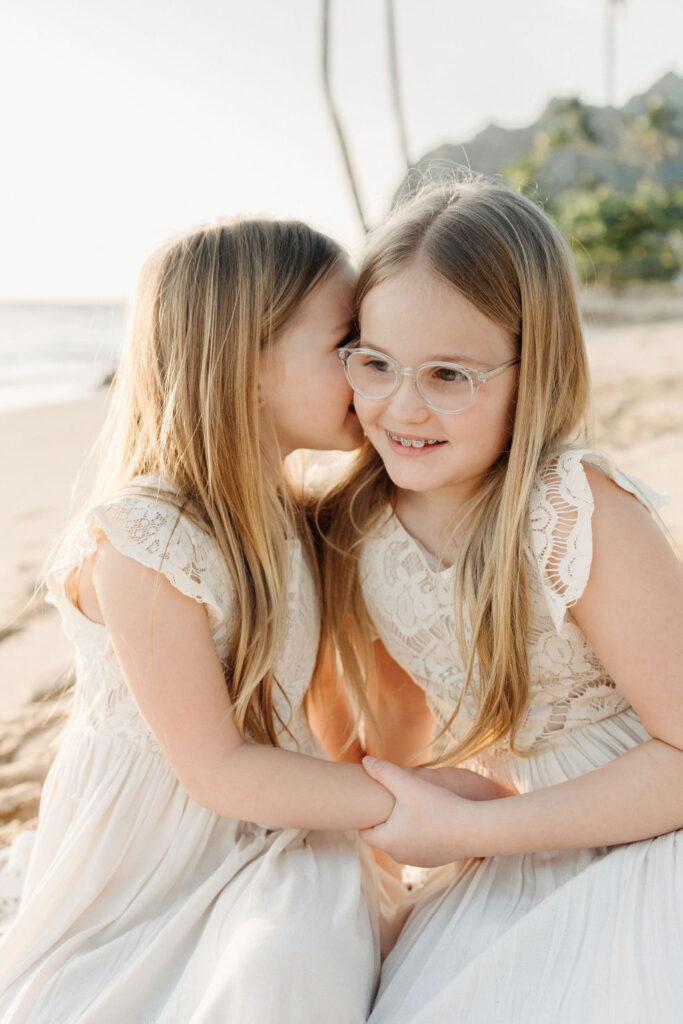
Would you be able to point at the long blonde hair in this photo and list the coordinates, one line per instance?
(502, 253)
(185, 409)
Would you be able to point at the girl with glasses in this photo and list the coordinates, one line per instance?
(524, 590)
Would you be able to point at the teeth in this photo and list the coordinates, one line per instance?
(407, 443)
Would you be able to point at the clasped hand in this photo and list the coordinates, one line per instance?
(435, 815)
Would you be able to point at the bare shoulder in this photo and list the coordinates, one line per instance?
(105, 573)
(620, 520)
(112, 568)
(635, 585)
(633, 597)
(606, 491)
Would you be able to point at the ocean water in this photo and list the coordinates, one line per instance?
(57, 353)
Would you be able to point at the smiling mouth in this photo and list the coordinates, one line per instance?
(412, 442)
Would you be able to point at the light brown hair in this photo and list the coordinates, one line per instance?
(501, 252)
(185, 409)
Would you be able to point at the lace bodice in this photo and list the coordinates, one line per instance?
(411, 603)
(142, 525)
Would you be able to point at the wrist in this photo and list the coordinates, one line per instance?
(475, 830)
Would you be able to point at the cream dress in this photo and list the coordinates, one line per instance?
(593, 936)
(138, 904)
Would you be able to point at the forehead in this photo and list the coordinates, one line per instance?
(418, 293)
(329, 299)
(419, 310)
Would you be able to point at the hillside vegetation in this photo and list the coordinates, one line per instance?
(611, 178)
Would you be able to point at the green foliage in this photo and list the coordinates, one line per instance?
(618, 238)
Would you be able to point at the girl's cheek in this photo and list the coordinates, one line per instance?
(360, 411)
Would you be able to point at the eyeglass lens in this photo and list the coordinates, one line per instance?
(441, 385)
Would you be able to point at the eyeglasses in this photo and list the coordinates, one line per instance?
(444, 387)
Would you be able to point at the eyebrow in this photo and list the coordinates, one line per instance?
(462, 360)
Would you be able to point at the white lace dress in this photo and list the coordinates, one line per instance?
(139, 905)
(593, 936)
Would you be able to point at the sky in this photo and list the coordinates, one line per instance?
(126, 121)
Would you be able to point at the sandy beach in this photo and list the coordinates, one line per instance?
(42, 452)
(638, 377)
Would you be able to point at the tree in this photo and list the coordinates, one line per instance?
(570, 129)
(617, 237)
(331, 106)
(390, 23)
(652, 136)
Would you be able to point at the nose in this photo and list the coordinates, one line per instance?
(406, 404)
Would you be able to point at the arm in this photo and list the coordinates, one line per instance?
(630, 612)
(164, 645)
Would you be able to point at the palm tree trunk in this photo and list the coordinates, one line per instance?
(350, 175)
(395, 83)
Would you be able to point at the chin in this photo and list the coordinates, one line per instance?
(410, 481)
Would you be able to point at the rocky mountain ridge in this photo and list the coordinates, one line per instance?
(576, 144)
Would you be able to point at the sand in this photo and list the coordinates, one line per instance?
(42, 452)
(638, 378)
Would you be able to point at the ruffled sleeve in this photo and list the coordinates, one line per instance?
(155, 532)
(561, 509)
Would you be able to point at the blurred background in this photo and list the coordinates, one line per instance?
(126, 122)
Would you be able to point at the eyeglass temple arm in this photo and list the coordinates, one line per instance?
(488, 374)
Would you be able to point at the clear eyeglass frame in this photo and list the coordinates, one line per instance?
(476, 377)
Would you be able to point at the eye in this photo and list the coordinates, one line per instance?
(449, 375)
(377, 364)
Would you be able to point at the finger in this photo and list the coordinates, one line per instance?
(392, 777)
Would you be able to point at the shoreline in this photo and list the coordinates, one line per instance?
(67, 395)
